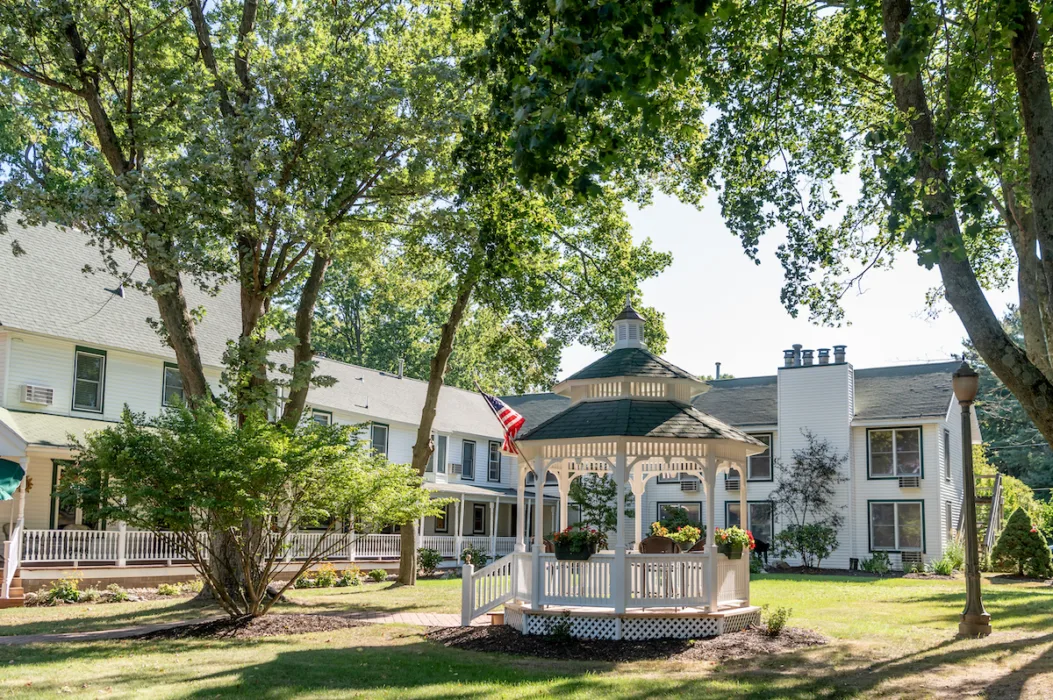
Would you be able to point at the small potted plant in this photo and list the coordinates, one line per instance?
(659, 530)
(732, 540)
(685, 537)
(578, 543)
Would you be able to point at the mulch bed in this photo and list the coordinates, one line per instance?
(831, 572)
(251, 627)
(740, 645)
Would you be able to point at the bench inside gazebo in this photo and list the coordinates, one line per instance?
(630, 417)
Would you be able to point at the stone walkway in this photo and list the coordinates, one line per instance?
(380, 618)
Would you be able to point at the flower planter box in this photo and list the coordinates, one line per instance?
(731, 551)
(563, 553)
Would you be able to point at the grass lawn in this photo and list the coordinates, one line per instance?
(892, 637)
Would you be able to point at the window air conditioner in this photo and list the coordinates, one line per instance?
(689, 485)
(43, 395)
(910, 482)
(732, 483)
(455, 468)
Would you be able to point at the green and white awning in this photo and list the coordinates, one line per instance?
(10, 477)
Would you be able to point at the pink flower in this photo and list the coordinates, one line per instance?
(1034, 530)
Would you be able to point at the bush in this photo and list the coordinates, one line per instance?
(756, 566)
(90, 595)
(168, 589)
(195, 586)
(65, 590)
(810, 542)
(955, 554)
(477, 557)
(878, 564)
(559, 631)
(378, 575)
(1023, 548)
(117, 594)
(915, 567)
(942, 566)
(353, 581)
(428, 559)
(303, 582)
(775, 622)
(325, 576)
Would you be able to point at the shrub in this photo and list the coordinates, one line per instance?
(117, 594)
(1023, 548)
(351, 572)
(776, 621)
(559, 631)
(477, 557)
(955, 554)
(90, 595)
(915, 567)
(810, 542)
(429, 560)
(378, 575)
(303, 582)
(168, 589)
(877, 564)
(325, 576)
(65, 590)
(756, 566)
(195, 586)
(353, 581)
(942, 566)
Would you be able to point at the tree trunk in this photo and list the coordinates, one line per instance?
(1010, 363)
(178, 324)
(1036, 112)
(303, 353)
(422, 448)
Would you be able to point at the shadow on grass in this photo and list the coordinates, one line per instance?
(1020, 609)
(189, 609)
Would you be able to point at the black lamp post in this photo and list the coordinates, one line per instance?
(975, 621)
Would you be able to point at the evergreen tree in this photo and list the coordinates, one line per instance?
(1023, 546)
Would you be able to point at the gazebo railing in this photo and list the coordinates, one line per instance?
(569, 582)
(663, 580)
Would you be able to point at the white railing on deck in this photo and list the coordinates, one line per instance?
(480, 542)
(143, 545)
(663, 580)
(378, 547)
(505, 545)
(69, 546)
(443, 544)
(576, 582)
(490, 586)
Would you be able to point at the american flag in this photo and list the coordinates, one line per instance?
(511, 421)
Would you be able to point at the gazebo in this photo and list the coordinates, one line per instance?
(630, 416)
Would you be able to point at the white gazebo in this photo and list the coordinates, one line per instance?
(630, 416)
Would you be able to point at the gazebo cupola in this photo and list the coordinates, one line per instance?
(630, 370)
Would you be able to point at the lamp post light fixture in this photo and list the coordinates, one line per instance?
(974, 621)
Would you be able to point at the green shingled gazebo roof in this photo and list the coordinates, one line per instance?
(634, 418)
(631, 362)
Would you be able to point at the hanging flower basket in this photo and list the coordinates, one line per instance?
(686, 537)
(577, 543)
(733, 540)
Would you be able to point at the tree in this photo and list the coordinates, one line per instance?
(939, 112)
(1023, 548)
(805, 495)
(1013, 445)
(597, 495)
(193, 471)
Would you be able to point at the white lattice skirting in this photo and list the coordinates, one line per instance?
(634, 627)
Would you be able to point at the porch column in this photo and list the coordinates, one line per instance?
(520, 524)
(122, 544)
(540, 476)
(24, 463)
(493, 528)
(744, 509)
(458, 542)
(564, 496)
(712, 594)
(619, 590)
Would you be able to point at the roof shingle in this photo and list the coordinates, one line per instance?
(631, 362)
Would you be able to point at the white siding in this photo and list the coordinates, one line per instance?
(4, 355)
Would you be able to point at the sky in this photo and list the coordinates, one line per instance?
(721, 307)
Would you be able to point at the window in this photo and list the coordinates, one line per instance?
(693, 509)
(897, 526)
(321, 417)
(379, 435)
(493, 471)
(468, 460)
(171, 386)
(441, 522)
(89, 380)
(440, 454)
(479, 519)
(573, 514)
(761, 521)
(894, 452)
(674, 479)
(949, 525)
(946, 454)
(759, 468)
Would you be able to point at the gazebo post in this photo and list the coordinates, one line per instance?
(520, 545)
(620, 575)
(711, 504)
(540, 476)
(639, 486)
(563, 474)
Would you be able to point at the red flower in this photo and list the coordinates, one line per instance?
(1034, 530)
